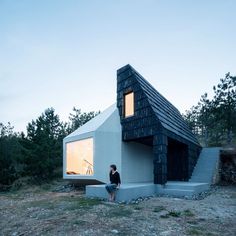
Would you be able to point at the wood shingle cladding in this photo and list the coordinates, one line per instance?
(155, 120)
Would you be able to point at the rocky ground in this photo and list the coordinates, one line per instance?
(42, 211)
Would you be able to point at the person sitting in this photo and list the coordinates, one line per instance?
(114, 182)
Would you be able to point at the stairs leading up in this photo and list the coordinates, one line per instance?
(206, 166)
(181, 189)
(200, 181)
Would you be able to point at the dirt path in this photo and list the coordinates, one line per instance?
(42, 212)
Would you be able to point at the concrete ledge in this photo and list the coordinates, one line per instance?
(181, 189)
(133, 191)
(126, 192)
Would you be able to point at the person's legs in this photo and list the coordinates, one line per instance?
(108, 188)
(113, 192)
(113, 196)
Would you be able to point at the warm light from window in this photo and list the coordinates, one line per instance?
(79, 157)
(129, 104)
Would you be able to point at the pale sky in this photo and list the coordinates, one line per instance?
(63, 54)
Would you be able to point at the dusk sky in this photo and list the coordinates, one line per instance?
(63, 54)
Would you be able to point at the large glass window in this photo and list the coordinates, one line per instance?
(79, 157)
(129, 104)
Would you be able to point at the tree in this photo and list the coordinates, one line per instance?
(214, 120)
(191, 116)
(10, 153)
(39, 153)
(205, 118)
(43, 145)
(78, 118)
(225, 104)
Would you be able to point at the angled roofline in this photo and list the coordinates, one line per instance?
(93, 124)
(169, 116)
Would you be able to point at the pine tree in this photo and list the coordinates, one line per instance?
(43, 145)
(225, 104)
(78, 118)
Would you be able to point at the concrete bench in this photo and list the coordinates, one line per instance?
(126, 192)
(133, 191)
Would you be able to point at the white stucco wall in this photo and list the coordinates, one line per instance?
(137, 163)
(105, 129)
(107, 147)
(133, 160)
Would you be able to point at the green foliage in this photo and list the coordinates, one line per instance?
(43, 146)
(38, 154)
(225, 105)
(188, 213)
(159, 209)
(78, 118)
(214, 120)
(174, 213)
(10, 153)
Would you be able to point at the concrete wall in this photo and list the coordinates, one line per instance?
(133, 160)
(107, 147)
(126, 192)
(137, 163)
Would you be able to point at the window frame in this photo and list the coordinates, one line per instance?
(93, 149)
(124, 104)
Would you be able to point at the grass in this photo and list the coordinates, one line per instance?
(171, 214)
(79, 222)
(66, 203)
(75, 203)
(192, 222)
(210, 234)
(159, 209)
(138, 208)
(233, 195)
(188, 213)
(119, 212)
(175, 213)
(166, 216)
(45, 204)
(194, 232)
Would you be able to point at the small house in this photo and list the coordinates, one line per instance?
(142, 133)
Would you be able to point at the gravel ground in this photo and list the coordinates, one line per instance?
(42, 211)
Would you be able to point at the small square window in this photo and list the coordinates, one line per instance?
(129, 104)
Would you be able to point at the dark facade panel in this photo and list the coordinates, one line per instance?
(158, 123)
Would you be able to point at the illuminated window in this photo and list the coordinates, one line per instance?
(129, 104)
(79, 157)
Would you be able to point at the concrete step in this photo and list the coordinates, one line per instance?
(198, 180)
(178, 192)
(132, 191)
(207, 173)
(202, 178)
(205, 179)
(203, 162)
(183, 185)
(202, 170)
(180, 189)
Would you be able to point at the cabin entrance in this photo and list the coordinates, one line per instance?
(177, 161)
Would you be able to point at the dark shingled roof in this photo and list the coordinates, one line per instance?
(168, 114)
